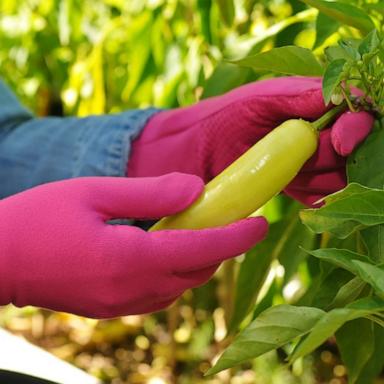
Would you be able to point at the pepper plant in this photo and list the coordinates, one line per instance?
(342, 242)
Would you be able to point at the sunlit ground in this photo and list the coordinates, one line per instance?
(178, 345)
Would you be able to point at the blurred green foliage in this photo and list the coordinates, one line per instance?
(96, 56)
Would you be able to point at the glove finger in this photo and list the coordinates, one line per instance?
(323, 183)
(325, 158)
(196, 278)
(191, 250)
(149, 197)
(350, 129)
(309, 200)
(274, 108)
(271, 90)
(178, 282)
(309, 187)
(142, 308)
(161, 305)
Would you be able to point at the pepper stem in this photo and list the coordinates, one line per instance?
(329, 116)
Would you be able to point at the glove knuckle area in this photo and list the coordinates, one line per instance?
(198, 277)
(171, 288)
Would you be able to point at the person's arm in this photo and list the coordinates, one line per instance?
(38, 150)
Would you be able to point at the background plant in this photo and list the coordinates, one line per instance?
(308, 281)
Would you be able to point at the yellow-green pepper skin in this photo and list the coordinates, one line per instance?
(253, 179)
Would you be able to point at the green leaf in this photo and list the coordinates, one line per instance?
(204, 9)
(332, 77)
(365, 163)
(272, 329)
(140, 33)
(376, 362)
(329, 286)
(365, 167)
(344, 13)
(356, 343)
(287, 37)
(283, 238)
(289, 60)
(333, 320)
(340, 257)
(267, 300)
(291, 253)
(369, 43)
(227, 11)
(252, 45)
(325, 27)
(252, 274)
(378, 7)
(325, 328)
(371, 274)
(354, 208)
(347, 293)
(370, 304)
(350, 190)
(335, 52)
(351, 48)
(224, 78)
(373, 238)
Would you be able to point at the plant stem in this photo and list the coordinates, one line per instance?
(329, 116)
(346, 97)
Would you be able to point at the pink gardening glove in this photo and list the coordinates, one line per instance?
(58, 252)
(205, 138)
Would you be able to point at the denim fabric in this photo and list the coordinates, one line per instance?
(39, 150)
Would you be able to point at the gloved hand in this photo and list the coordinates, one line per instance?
(205, 138)
(58, 252)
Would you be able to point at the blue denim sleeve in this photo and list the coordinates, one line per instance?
(39, 150)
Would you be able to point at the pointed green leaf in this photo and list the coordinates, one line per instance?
(365, 163)
(356, 343)
(370, 304)
(373, 238)
(376, 362)
(347, 293)
(204, 10)
(227, 11)
(324, 328)
(252, 274)
(340, 257)
(225, 77)
(344, 13)
(328, 288)
(351, 210)
(369, 43)
(332, 78)
(351, 48)
(291, 252)
(284, 238)
(378, 7)
(273, 328)
(289, 60)
(325, 27)
(335, 52)
(371, 274)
